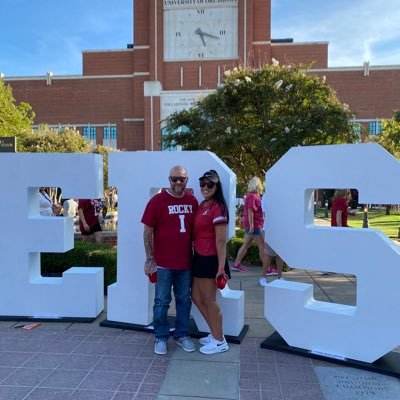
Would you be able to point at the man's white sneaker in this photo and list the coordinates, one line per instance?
(263, 282)
(160, 347)
(214, 347)
(186, 344)
(206, 340)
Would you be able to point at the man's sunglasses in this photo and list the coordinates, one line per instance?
(210, 185)
(181, 179)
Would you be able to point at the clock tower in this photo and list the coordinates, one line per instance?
(188, 44)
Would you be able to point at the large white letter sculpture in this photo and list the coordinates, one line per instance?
(24, 234)
(372, 328)
(138, 176)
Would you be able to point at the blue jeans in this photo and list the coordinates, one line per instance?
(180, 281)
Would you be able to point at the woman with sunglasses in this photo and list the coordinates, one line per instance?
(209, 263)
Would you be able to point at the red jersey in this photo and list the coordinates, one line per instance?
(207, 216)
(91, 210)
(172, 220)
(339, 204)
(253, 201)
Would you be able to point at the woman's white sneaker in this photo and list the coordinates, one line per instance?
(206, 340)
(214, 346)
(263, 282)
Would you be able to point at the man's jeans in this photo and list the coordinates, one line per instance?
(180, 281)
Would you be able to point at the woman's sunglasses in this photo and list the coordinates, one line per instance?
(181, 179)
(210, 185)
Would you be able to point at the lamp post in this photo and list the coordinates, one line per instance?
(326, 209)
(365, 219)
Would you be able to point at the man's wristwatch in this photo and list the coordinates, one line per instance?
(148, 259)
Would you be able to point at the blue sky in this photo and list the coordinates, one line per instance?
(46, 35)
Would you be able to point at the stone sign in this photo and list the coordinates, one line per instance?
(350, 384)
(8, 144)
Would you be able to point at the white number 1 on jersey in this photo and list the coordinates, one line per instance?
(182, 219)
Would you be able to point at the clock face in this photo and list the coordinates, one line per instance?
(201, 33)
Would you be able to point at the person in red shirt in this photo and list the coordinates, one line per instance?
(209, 263)
(339, 207)
(253, 223)
(89, 224)
(168, 225)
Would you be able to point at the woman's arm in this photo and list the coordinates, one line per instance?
(250, 216)
(339, 218)
(220, 241)
(86, 227)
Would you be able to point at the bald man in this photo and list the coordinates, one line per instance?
(168, 223)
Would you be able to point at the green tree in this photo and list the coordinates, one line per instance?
(14, 119)
(104, 151)
(389, 138)
(65, 140)
(48, 140)
(257, 115)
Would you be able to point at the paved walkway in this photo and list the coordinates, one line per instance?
(84, 361)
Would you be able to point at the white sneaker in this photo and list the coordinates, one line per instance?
(160, 346)
(186, 344)
(214, 347)
(263, 282)
(206, 340)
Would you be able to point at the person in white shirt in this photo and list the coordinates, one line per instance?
(70, 207)
(46, 206)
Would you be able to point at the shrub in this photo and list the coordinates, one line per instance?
(84, 254)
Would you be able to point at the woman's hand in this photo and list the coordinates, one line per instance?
(221, 271)
(221, 279)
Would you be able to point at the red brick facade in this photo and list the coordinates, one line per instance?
(111, 88)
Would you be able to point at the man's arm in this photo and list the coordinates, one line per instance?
(149, 264)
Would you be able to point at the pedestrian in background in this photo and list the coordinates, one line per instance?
(89, 223)
(253, 223)
(46, 206)
(340, 207)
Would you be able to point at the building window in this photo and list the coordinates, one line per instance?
(89, 133)
(110, 136)
(375, 128)
(174, 148)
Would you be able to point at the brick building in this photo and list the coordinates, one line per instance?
(181, 50)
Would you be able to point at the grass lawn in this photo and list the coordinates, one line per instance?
(377, 218)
